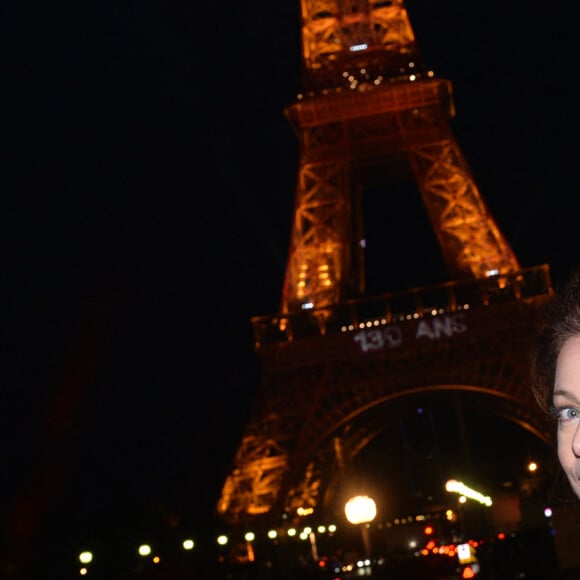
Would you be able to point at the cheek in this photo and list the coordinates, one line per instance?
(561, 438)
(564, 448)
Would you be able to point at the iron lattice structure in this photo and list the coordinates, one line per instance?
(333, 360)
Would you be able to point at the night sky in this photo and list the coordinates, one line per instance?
(148, 178)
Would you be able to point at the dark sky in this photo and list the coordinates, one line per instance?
(147, 184)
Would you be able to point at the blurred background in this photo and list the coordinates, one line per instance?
(148, 179)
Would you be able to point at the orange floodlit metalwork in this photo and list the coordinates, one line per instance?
(369, 100)
(371, 114)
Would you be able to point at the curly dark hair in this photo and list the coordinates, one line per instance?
(561, 321)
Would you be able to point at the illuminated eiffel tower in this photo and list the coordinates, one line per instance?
(335, 361)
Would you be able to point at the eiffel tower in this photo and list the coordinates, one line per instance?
(336, 362)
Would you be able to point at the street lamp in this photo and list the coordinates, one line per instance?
(361, 510)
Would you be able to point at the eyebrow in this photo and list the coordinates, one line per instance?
(565, 394)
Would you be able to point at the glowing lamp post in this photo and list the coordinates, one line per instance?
(360, 511)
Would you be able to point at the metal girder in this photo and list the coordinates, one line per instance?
(333, 359)
(326, 389)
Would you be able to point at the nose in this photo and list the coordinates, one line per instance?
(576, 441)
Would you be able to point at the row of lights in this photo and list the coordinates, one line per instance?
(359, 510)
(400, 318)
(360, 507)
(363, 78)
(86, 557)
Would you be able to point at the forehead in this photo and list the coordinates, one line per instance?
(568, 363)
(571, 346)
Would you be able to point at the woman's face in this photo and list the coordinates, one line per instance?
(566, 400)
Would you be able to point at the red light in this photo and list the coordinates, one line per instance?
(501, 536)
(428, 530)
(468, 573)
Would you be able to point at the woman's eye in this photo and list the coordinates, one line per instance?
(567, 414)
